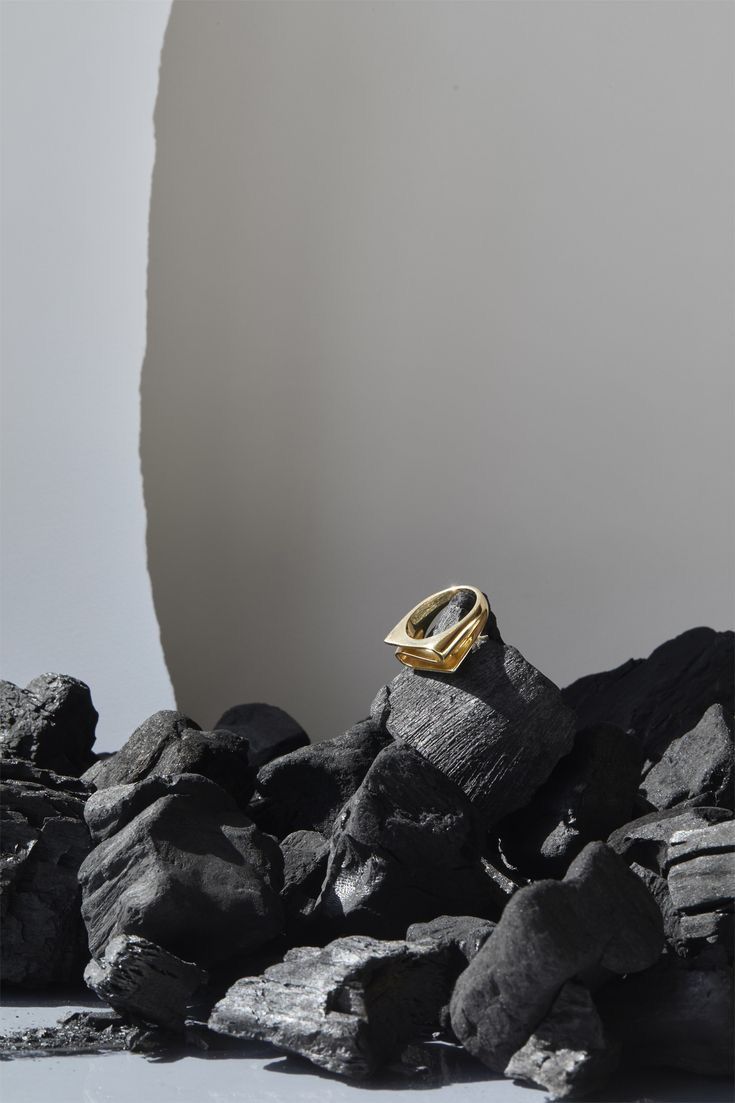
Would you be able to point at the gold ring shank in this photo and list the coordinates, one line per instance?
(445, 650)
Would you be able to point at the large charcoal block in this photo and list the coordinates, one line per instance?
(661, 697)
(590, 792)
(599, 917)
(189, 872)
(270, 731)
(349, 1007)
(700, 868)
(406, 848)
(140, 979)
(496, 727)
(569, 1053)
(305, 789)
(51, 723)
(43, 840)
(696, 766)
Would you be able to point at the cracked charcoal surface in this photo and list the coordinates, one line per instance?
(349, 1007)
(51, 723)
(496, 727)
(305, 789)
(406, 848)
(590, 792)
(645, 845)
(697, 765)
(138, 978)
(189, 872)
(676, 1015)
(270, 731)
(599, 916)
(569, 1053)
(43, 840)
(661, 697)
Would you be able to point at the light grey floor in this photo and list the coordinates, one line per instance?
(131, 1078)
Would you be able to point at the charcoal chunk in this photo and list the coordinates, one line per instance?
(645, 841)
(221, 756)
(496, 727)
(465, 933)
(108, 810)
(599, 917)
(661, 697)
(305, 858)
(43, 840)
(569, 1053)
(51, 723)
(269, 730)
(677, 1014)
(700, 868)
(349, 1007)
(406, 848)
(139, 755)
(305, 789)
(590, 792)
(140, 979)
(189, 872)
(696, 766)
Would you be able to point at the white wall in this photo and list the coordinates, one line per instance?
(79, 87)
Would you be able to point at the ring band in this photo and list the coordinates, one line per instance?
(445, 650)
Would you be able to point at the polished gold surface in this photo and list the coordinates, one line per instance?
(445, 650)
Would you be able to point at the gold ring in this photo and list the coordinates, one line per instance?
(445, 650)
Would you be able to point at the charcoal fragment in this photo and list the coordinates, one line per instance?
(51, 723)
(305, 858)
(43, 840)
(138, 756)
(569, 1053)
(305, 789)
(189, 872)
(406, 848)
(696, 766)
(349, 1007)
(599, 917)
(269, 730)
(661, 697)
(142, 980)
(590, 792)
(465, 933)
(496, 727)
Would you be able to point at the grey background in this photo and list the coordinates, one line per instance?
(437, 293)
(79, 84)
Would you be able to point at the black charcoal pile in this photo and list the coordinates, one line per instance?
(483, 872)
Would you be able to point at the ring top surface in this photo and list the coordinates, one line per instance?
(443, 651)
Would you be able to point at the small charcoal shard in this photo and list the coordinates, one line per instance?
(189, 872)
(349, 1007)
(569, 1053)
(661, 697)
(677, 1015)
(51, 723)
(305, 859)
(696, 766)
(43, 840)
(496, 727)
(269, 730)
(590, 792)
(142, 980)
(305, 789)
(645, 844)
(405, 848)
(465, 933)
(600, 917)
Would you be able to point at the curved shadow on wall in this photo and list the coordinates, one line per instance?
(367, 375)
